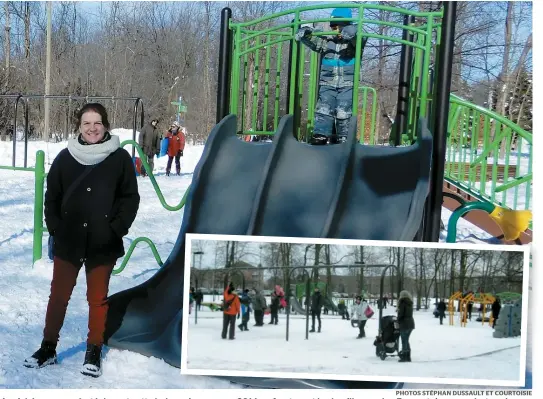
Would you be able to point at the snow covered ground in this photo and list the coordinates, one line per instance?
(24, 289)
(438, 351)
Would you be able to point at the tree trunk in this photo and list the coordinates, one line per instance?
(418, 283)
(361, 273)
(463, 268)
(503, 78)
(316, 262)
(27, 31)
(248, 89)
(207, 82)
(451, 282)
(328, 268)
(380, 74)
(7, 45)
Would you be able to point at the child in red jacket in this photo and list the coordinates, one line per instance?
(176, 145)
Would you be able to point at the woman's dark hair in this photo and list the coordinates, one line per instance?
(94, 107)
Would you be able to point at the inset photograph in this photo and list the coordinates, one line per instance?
(355, 310)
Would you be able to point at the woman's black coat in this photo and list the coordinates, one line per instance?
(405, 314)
(97, 215)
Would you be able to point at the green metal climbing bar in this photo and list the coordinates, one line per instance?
(264, 49)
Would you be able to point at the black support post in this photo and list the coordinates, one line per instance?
(406, 62)
(225, 64)
(441, 117)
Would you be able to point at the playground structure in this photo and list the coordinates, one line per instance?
(481, 298)
(465, 184)
(484, 299)
(451, 307)
(251, 51)
(147, 319)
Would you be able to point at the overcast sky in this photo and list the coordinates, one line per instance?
(256, 252)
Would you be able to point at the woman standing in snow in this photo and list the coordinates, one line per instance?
(90, 204)
(359, 311)
(406, 322)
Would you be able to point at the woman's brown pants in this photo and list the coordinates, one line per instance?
(62, 285)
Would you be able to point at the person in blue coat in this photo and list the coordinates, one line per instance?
(336, 79)
(245, 301)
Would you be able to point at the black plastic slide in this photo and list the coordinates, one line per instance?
(283, 188)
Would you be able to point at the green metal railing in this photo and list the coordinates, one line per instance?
(253, 73)
(481, 159)
(160, 196)
(471, 146)
(131, 249)
(157, 189)
(39, 183)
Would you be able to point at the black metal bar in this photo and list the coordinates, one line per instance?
(321, 266)
(430, 111)
(307, 280)
(297, 98)
(289, 71)
(382, 288)
(225, 65)
(68, 119)
(142, 119)
(307, 292)
(443, 80)
(66, 97)
(196, 305)
(288, 306)
(14, 136)
(406, 62)
(25, 102)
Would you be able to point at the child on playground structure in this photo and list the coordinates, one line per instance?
(336, 79)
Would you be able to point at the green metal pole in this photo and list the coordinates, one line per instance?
(266, 85)
(256, 88)
(39, 180)
(277, 87)
(244, 89)
(236, 65)
(362, 128)
(426, 68)
(300, 93)
(461, 211)
(357, 57)
(373, 117)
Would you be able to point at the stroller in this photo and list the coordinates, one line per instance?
(387, 342)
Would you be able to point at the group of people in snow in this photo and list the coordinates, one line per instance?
(150, 138)
(243, 305)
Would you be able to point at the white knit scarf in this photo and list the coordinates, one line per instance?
(95, 153)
